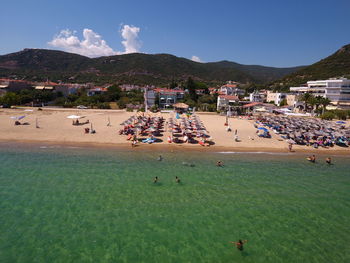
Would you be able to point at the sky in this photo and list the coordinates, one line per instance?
(279, 33)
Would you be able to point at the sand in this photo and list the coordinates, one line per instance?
(56, 128)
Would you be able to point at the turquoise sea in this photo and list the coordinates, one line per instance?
(66, 204)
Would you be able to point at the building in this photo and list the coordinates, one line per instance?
(96, 91)
(11, 85)
(168, 97)
(225, 101)
(149, 97)
(275, 97)
(231, 88)
(336, 90)
(48, 85)
(257, 96)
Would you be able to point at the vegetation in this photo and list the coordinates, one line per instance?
(336, 65)
(159, 69)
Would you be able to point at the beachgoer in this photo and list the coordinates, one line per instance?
(219, 163)
(177, 179)
(312, 158)
(239, 244)
(160, 158)
(329, 160)
(290, 146)
(155, 180)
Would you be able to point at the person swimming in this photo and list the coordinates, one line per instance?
(329, 160)
(219, 163)
(155, 180)
(177, 180)
(160, 158)
(239, 244)
(311, 158)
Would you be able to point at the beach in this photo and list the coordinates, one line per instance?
(55, 128)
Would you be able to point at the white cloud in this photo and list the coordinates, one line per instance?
(92, 44)
(131, 42)
(196, 59)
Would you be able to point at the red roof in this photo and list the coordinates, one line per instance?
(228, 97)
(252, 104)
(168, 90)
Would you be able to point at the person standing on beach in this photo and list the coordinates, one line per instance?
(290, 147)
(239, 244)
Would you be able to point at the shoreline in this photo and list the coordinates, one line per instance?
(174, 147)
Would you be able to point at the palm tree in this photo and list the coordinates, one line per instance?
(306, 97)
(324, 102)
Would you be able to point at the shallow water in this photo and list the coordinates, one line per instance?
(61, 204)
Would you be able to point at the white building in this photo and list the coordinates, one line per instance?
(275, 97)
(224, 101)
(336, 90)
(257, 96)
(231, 88)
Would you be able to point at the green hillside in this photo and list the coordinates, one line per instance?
(40, 64)
(336, 65)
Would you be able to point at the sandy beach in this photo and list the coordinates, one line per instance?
(56, 128)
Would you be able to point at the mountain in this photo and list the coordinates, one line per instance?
(336, 65)
(137, 68)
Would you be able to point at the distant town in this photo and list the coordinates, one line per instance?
(314, 97)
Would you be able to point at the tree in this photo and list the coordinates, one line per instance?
(306, 97)
(191, 87)
(113, 93)
(324, 102)
(10, 98)
(173, 84)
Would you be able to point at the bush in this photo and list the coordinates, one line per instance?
(341, 114)
(328, 115)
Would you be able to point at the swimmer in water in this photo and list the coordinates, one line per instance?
(219, 164)
(239, 244)
(160, 158)
(312, 158)
(329, 160)
(177, 179)
(155, 180)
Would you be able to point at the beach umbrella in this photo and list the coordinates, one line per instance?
(340, 122)
(262, 128)
(17, 117)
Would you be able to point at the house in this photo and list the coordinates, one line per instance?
(225, 101)
(48, 85)
(168, 97)
(336, 90)
(12, 85)
(96, 91)
(231, 88)
(149, 97)
(257, 96)
(275, 97)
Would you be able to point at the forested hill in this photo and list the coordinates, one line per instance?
(137, 68)
(336, 65)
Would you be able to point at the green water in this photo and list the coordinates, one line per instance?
(95, 205)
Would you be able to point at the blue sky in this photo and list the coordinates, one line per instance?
(265, 32)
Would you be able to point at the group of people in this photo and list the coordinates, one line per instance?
(312, 159)
(156, 179)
